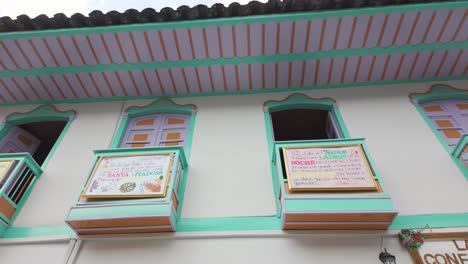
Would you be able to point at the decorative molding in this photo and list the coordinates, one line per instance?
(47, 112)
(299, 100)
(438, 91)
(162, 105)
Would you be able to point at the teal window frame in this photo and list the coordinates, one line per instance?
(162, 106)
(296, 101)
(441, 92)
(43, 113)
(159, 106)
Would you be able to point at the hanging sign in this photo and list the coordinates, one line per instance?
(335, 167)
(129, 176)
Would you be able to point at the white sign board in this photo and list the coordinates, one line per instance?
(129, 176)
(328, 168)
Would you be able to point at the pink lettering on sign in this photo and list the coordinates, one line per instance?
(117, 174)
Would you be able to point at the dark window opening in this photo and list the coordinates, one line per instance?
(47, 133)
(303, 124)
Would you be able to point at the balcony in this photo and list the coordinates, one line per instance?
(138, 190)
(330, 185)
(18, 174)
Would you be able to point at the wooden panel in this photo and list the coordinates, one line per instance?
(26, 141)
(140, 137)
(137, 145)
(433, 108)
(6, 208)
(171, 143)
(133, 231)
(444, 123)
(121, 222)
(451, 133)
(173, 136)
(175, 202)
(145, 122)
(355, 217)
(362, 226)
(175, 121)
(462, 106)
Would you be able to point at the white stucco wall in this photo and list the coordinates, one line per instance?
(315, 250)
(49, 252)
(229, 164)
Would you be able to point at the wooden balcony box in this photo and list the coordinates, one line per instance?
(18, 174)
(330, 185)
(136, 190)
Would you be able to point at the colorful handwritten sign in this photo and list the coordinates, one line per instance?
(328, 168)
(129, 176)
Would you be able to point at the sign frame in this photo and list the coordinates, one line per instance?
(8, 167)
(101, 196)
(318, 189)
(414, 252)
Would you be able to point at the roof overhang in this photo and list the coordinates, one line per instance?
(283, 52)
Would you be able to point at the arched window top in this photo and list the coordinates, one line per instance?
(161, 106)
(299, 101)
(439, 92)
(39, 114)
(162, 123)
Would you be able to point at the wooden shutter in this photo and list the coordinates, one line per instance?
(450, 118)
(141, 132)
(19, 140)
(156, 130)
(174, 130)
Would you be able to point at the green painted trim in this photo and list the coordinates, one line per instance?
(236, 60)
(120, 132)
(240, 92)
(252, 223)
(181, 193)
(229, 224)
(40, 114)
(433, 220)
(350, 205)
(162, 105)
(40, 231)
(83, 213)
(440, 92)
(236, 20)
(3, 229)
(57, 143)
(293, 101)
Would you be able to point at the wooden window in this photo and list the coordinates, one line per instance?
(156, 130)
(36, 138)
(450, 117)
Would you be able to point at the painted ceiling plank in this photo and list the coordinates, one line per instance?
(234, 61)
(381, 29)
